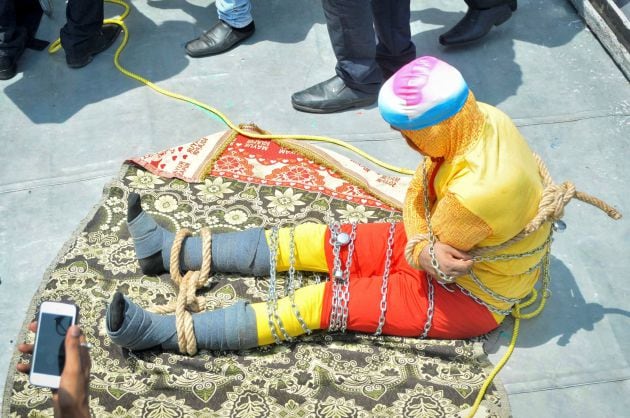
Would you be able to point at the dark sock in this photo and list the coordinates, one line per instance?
(245, 29)
(116, 312)
(139, 329)
(134, 208)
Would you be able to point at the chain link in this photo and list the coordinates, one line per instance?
(334, 231)
(388, 263)
(430, 307)
(480, 301)
(542, 266)
(292, 281)
(507, 257)
(272, 299)
(442, 277)
(341, 278)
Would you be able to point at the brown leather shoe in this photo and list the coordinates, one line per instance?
(219, 38)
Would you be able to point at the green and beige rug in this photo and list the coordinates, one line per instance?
(231, 182)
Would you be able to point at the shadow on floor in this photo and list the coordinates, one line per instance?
(566, 313)
(49, 92)
(495, 75)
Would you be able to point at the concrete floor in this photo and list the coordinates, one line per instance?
(65, 133)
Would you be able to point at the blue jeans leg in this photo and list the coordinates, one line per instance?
(236, 13)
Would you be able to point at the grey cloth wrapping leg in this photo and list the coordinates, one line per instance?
(244, 252)
(231, 328)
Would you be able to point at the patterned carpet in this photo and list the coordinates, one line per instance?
(229, 182)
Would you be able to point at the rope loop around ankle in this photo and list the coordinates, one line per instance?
(187, 300)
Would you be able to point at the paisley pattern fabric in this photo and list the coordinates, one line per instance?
(322, 375)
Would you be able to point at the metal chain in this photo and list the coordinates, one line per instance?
(507, 257)
(442, 277)
(430, 307)
(502, 257)
(292, 281)
(490, 307)
(341, 278)
(388, 262)
(345, 289)
(491, 292)
(272, 299)
(334, 231)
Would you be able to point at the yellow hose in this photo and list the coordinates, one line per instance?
(55, 46)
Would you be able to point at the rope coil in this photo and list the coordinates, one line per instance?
(187, 300)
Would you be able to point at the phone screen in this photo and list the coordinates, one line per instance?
(50, 350)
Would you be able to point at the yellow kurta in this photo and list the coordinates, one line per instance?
(487, 190)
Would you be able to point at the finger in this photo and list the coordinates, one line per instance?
(23, 368)
(25, 348)
(73, 356)
(460, 267)
(458, 254)
(86, 361)
(32, 326)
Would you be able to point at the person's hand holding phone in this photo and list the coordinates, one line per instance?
(72, 398)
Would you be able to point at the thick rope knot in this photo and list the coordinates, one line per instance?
(554, 199)
(187, 300)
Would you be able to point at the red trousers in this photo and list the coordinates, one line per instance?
(455, 316)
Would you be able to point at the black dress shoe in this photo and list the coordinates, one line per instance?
(217, 39)
(8, 63)
(8, 67)
(330, 96)
(477, 23)
(83, 54)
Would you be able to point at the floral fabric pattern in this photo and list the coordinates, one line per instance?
(321, 375)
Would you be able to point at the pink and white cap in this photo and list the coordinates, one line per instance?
(422, 93)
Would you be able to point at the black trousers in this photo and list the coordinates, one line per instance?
(485, 4)
(371, 39)
(84, 19)
(19, 20)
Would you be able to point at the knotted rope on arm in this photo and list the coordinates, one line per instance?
(187, 301)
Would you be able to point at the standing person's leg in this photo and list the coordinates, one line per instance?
(235, 24)
(358, 79)
(12, 39)
(84, 34)
(391, 22)
(236, 13)
(481, 16)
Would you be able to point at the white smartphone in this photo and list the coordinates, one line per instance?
(49, 353)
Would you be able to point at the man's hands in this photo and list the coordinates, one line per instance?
(72, 398)
(452, 261)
